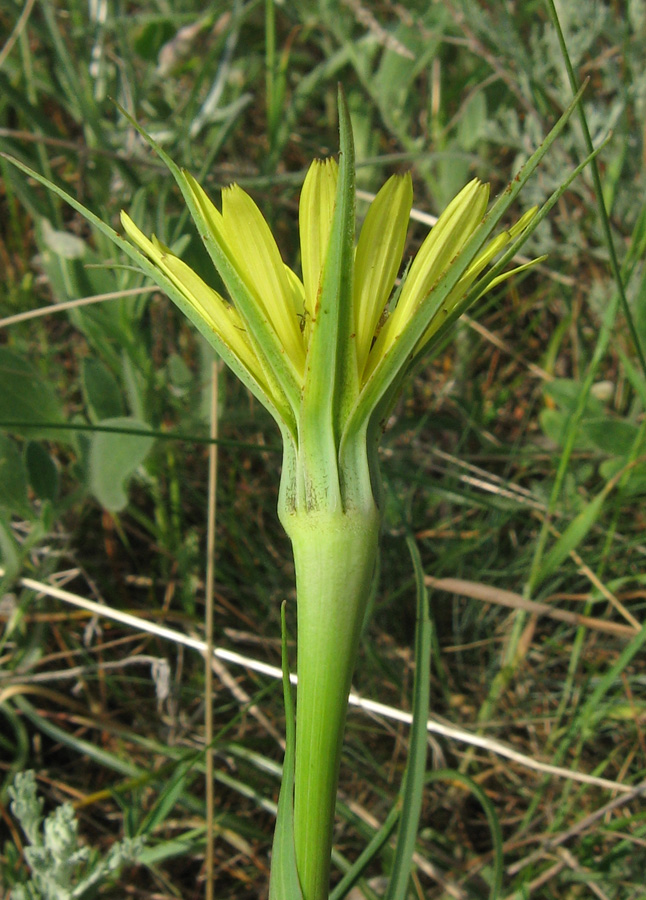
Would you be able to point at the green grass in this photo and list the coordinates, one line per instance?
(517, 457)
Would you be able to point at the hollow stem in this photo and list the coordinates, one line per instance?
(335, 556)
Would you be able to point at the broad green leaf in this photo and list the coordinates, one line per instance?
(607, 435)
(284, 883)
(565, 393)
(62, 243)
(135, 387)
(26, 399)
(179, 373)
(554, 424)
(472, 120)
(100, 390)
(42, 471)
(635, 483)
(394, 77)
(613, 436)
(72, 267)
(13, 480)
(114, 458)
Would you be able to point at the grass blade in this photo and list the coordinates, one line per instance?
(452, 775)
(368, 854)
(413, 786)
(598, 190)
(284, 883)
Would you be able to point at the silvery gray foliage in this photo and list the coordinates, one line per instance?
(60, 868)
(604, 44)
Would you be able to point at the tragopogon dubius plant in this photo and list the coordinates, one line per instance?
(327, 353)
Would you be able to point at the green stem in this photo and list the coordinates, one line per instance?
(335, 555)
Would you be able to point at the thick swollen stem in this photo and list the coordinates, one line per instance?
(335, 556)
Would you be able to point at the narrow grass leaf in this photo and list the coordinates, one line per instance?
(186, 843)
(78, 745)
(571, 537)
(284, 883)
(170, 793)
(452, 775)
(378, 841)
(413, 786)
(598, 190)
(613, 677)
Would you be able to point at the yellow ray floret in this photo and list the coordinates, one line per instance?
(258, 258)
(288, 304)
(439, 250)
(315, 212)
(223, 318)
(378, 258)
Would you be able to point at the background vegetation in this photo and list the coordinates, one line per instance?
(518, 458)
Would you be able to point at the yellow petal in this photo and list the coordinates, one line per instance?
(446, 239)
(139, 239)
(298, 300)
(259, 263)
(523, 222)
(212, 308)
(505, 275)
(315, 212)
(210, 212)
(452, 230)
(487, 255)
(492, 249)
(223, 318)
(378, 257)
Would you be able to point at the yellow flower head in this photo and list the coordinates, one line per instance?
(290, 304)
(327, 350)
